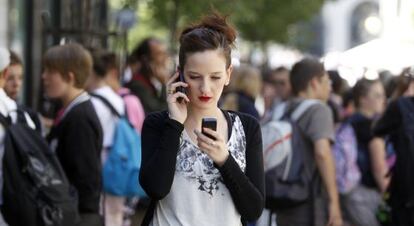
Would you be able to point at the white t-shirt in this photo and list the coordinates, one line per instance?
(198, 195)
(106, 118)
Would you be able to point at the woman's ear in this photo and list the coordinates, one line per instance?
(229, 71)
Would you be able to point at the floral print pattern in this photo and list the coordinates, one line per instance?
(198, 167)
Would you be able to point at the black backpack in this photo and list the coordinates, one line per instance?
(402, 182)
(36, 190)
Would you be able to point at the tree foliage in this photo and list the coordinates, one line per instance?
(257, 20)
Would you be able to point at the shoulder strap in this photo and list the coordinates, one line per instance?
(230, 121)
(305, 105)
(5, 121)
(106, 102)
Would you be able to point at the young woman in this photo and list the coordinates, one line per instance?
(369, 99)
(191, 178)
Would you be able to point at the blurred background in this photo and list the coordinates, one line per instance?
(356, 37)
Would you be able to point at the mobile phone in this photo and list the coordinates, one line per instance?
(180, 88)
(210, 123)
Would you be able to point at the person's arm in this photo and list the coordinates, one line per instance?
(160, 144)
(378, 163)
(320, 129)
(247, 189)
(82, 143)
(326, 167)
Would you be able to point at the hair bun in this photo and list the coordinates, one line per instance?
(216, 22)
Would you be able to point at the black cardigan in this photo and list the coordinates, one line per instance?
(160, 144)
(79, 137)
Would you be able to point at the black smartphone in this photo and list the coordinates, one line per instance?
(210, 123)
(180, 88)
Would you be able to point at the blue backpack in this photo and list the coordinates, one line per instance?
(121, 169)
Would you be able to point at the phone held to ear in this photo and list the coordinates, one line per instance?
(180, 88)
(210, 123)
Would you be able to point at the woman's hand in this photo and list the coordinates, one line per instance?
(215, 148)
(176, 109)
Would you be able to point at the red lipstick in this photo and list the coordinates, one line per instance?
(204, 98)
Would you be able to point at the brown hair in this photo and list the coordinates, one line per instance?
(14, 58)
(361, 89)
(103, 61)
(211, 33)
(403, 82)
(69, 58)
(303, 72)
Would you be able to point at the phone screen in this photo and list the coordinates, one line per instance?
(210, 123)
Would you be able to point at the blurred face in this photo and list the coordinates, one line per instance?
(282, 84)
(14, 80)
(323, 87)
(374, 101)
(206, 74)
(159, 53)
(55, 85)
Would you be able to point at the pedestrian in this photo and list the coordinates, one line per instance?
(248, 84)
(14, 84)
(310, 81)
(191, 178)
(150, 60)
(76, 135)
(6, 106)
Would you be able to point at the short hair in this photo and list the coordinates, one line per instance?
(69, 58)
(303, 72)
(361, 89)
(103, 61)
(14, 58)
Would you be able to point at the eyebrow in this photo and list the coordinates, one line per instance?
(213, 73)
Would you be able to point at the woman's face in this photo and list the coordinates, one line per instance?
(206, 75)
(375, 99)
(54, 83)
(14, 80)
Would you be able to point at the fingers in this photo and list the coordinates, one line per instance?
(212, 133)
(202, 138)
(177, 84)
(176, 95)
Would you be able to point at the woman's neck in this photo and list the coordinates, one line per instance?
(195, 115)
(71, 95)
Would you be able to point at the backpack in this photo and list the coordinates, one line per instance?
(287, 180)
(121, 169)
(345, 152)
(402, 181)
(36, 190)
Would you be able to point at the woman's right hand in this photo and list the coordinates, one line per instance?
(177, 110)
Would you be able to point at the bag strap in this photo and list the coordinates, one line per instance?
(299, 110)
(107, 104)
(5, 121)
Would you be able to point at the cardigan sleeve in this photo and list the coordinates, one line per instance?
(160, 144)
(247, 189)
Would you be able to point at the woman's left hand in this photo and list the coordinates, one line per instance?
(215, 148)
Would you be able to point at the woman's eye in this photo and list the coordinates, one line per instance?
(194, 77)
(216, 78)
